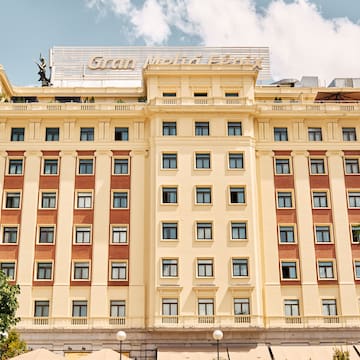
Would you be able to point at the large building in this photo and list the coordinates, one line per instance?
(170, 192)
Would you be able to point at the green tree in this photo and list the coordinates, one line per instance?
(12, 346)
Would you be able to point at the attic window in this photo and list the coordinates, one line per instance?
(200, 94)
(169, 94)
(231, 94)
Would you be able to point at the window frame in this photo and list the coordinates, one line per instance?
(52, 134)
(87, 133)
(170, 128)
(169, 161)
(121, 133)
(5, 234)
(204, 193)
(50, 166)
(120, 195)
(202, 158)
(240, 229)
(236, 161)
(49, 196)
(205, 268)
(356, 263)
(295, 266)
(294, 233)
(122, 264)
(353, 166)
(165, 226)
(330, 304)
(169, 306)
(112, 233)
(9, 269)
(79, 306)
(351, 198)
(205, 228)
(16, 199)
(352, 229)
(43, 304)
(169, 195)
(285, 199)
(234, 128)
(244, 303)
(280, 133)
(46, 269)
(83, 195)
(238, 265)
(315, 133)
(240, 192)
(322, 265)
(282, 166)
(317, 199)
(120, 306)
(202, 128)
(170, 269)
(318, 230)
(349, 134)
(77, 232)
(316, 166)
(291, 304)
(85, 164)
(11, 166)
(17, 134)
(39, 232)
(76, 267)
(121, 166)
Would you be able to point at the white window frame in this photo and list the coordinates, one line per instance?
(121, 265)
(123, 229)
(84, 196)
(115, 159)
(78, 231)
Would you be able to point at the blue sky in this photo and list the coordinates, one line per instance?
(306, 37)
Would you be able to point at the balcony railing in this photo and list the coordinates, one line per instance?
(201, 101)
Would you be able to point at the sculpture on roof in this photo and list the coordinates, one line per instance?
(42, 72)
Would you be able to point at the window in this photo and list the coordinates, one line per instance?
(238, 230)
(17, 134)
(202, 128)
(50, 166)
(15, 167)
(349, 134)
(236, 161)
(320, 199)
(169, 195)
(202, 161)
(118, 270)
(282, 166)
(357, 269)
(315, 134)
(241, 306)
(44, 271)
(121, 134)
(117, 308)
(41, 308)
(288, 270)
(169, 231)
(81, 270)
(280, 134)
(87, 134)
(169, 128)
(231, 94)
(120, 200)
(291, 308)
(237, 195)
(79, 308)
(46, 234)
(352, 166)
(82, 234)
(240, 267)
(121, 166)
(84, 200)
(169, 94)
(169, 161)
(86, 166)
(169, 268)
(205, 268)
(317, 166)
(200, 94)
(354, 199)
(169, 307)
(284, 199)
(322, 233)
(12, 200)
(48, 200)
(234, 128)
(205, 307)
(203, 195)
(287, 234)
(52, 134)
(329, 307)
(119, 234)
(8, 268)
(204, 231)
(326, 269)
(355, 233)
(10, 234)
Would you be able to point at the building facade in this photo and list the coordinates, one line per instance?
(181, 200)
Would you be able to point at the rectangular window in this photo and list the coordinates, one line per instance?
(46, 234)
(282, 166)
(349, 134)
(237, 195)
(242, 306)
(87, 134)
(50, 167)
(320, 199)
(291, 308)
(84, 200)
(86, 166)
(357, 269)
(234, 128)
(205, 308)
(354, 199)
(81, 270)
(79, 308)
(17, 134)
(315, 134)
(121, 166)
(240, 267)
(287, 234)
(200, 94)
(204, 231)
(15, 167)
(203, 195)
(169, 268)
(329, 307)
(202, 128)
(169, 161)
(326, 269)
(48, 200)
(169, 94)
(169, 231)
(10, 234)
(280, 134)
(119, 234)
(52, 134)
(41, 308)
(12, 200)
(205, 268)
(82, 234)
(236, 160)
(288, 270)
(169, 128)
(355, 233)
(317, 166)
(169, 195)
(238, 231)
(352, 166)
(44, 271)
(118, 270)
(8, 268)
(231, 94)
(202, 161)
(121, 134)
(117, 308)
(169, 307)
(322, 233)
(120, 200)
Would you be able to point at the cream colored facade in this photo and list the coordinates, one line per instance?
(240, 204)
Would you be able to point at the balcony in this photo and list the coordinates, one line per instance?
(186, 101)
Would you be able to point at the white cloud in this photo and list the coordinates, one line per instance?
(301, 41)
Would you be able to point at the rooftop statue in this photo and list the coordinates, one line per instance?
(42, 72)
